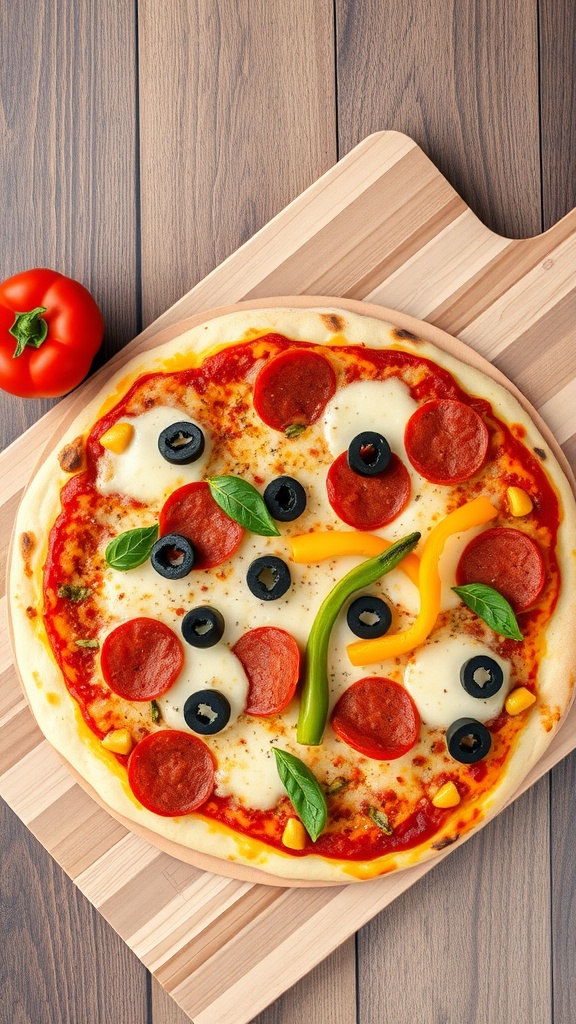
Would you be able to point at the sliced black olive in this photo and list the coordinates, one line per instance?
(207, 712)
(172, 556)
(203, 627)
(481, 676)
(368, 453)
(468, 741)
(181, 443)
(268, 577)
(285, 499)
(369, 617)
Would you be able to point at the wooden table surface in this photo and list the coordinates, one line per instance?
(141, 143)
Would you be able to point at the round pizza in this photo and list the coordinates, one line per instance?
(294, 592)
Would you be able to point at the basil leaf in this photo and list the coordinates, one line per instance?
(89, 644)
(132, 548)
(492, 607)
(73, 593)
(242, 502)
(304, 791)
(381, 820)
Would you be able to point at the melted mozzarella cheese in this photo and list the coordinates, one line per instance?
(140, 471)
(432, 678)
(214, 668)
(384, 406)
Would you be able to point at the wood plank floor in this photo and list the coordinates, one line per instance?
(140, 144)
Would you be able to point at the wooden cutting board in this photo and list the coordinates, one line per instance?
(385, 227)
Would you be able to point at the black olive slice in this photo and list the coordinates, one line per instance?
(207, 712)
(468, 741)
(172, 556)
(203, 627)
(369, 617)
(181, 443)
(368, 453)
(481, 676)
(268, 578)
(285, 499)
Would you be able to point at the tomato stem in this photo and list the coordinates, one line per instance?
(29, 329)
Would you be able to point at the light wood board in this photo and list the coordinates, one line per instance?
(382, 226)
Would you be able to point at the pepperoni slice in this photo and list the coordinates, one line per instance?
(271, 660)
(171, 772)
(368, 502)
(377, 717)
(507, 560)
(141, 659)
(192, 512)
(293, 387)
(446, 441)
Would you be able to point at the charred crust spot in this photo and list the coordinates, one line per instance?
(27, 545)
(402, 335)
(332, 322)
(31, 612)
(71, 458)
(540, 453)
(443, 843)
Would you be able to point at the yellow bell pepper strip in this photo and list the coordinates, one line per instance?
(314, 699)
(310, 548)
(473, 513)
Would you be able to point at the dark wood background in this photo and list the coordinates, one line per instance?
(142, 141)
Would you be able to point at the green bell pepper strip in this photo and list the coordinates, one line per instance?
(314, 698)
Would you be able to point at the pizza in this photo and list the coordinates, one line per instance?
(294, 592)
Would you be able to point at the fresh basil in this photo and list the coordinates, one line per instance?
(294, 430)
(131, 548)
(492, 607)
(304, 791)
(242, 502)
(73, 593)
(92, 644)
(381, 820)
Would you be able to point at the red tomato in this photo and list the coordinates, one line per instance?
(50, 330)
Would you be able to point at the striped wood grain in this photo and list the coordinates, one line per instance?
(222, 947)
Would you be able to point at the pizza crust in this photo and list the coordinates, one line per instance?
(58, 714)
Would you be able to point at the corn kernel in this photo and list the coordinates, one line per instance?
(518, 700)
(519, 502)
(294, 836)
(119, 741)
(447, 796)
(118, 437)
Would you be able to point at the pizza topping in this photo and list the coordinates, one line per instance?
(384, 406)
(318, 546)
(119, 741)
(304, 791)
(171, 772)
(173, 556)
(141, 659)
(242, 502)
(117, 437)
(203, 627)
(131, 548)
(181, 443)
(481, 676)
(271, 660)
(314, 701)
(519, 502)
(473, 513)
(192, 512)
(90, 644)
(380, 819)
(507, 560)
(490, 606)
(446, 441)
(368, 502)
(368, 453)
(446, 796)
(285, 499)
(377, 717)
(519, 700)
(294, 835)
(268, 578)
(73, 593)
(207, 712)
(468, 741)
(155, 713)
(369, 617)
(293, 388)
